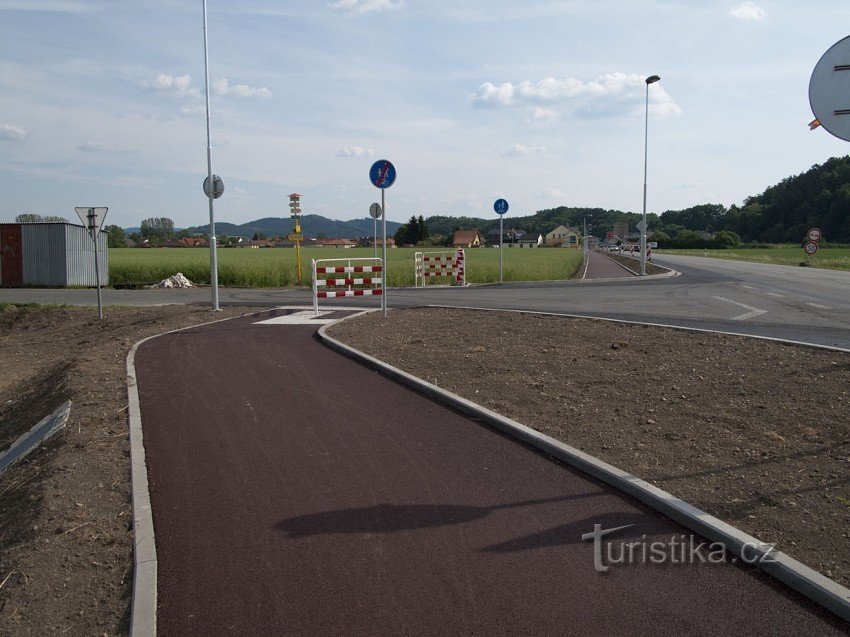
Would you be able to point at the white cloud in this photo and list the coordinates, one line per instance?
(102, 147)
(355, 151)
(92, 147)
(543, 115)
(13, 133)
(748, 11)
(522, 150)
(550, 192)
(685, 185)
(193, 109)
(222, 87)
(239, 191)
(608, 95)
(365, 6)
(180, 85)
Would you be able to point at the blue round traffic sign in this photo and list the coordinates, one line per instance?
(382, 174)
(501, 206)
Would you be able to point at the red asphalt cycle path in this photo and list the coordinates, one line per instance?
(296, 492)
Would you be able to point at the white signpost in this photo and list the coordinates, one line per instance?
(92, 218)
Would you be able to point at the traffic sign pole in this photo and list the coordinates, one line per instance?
(92, 219)
(382, 175)
(501, 207)
(384, 251)
(93, 231)
(501, 246)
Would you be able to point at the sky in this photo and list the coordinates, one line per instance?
(540, 102)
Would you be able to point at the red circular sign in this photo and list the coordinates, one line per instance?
(811, 247)
(814, 234)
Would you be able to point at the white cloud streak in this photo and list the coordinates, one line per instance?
(355, 151)
(365, 6)
(608, 95)
(550, 192)
(13, 133)
(180, 85)
(222, 87)
(522, 150)
(748, 11)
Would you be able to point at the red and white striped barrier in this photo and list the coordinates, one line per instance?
(367, 286)
(440, 264)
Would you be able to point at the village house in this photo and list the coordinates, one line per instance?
(468, 239)
(563, 237)
(336, 243)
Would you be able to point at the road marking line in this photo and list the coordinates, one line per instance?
(779, 296)
(304, 317)
(753, 311)
(820, 307)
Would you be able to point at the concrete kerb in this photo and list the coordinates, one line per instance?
(144, 599)
(798, 576)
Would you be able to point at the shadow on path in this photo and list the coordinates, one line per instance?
(393, 518)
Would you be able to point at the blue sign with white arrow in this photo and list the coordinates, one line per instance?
(382, 174)
(501, 206)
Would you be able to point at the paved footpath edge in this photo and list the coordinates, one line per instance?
(786, 569)
(143, 605)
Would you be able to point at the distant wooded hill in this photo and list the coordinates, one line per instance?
(311, 226)
(819, 197)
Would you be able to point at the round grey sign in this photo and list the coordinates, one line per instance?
(829, 90)
(218, 185)
(375, 210)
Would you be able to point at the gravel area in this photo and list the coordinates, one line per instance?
(751, 431)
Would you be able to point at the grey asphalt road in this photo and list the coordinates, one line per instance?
(788, 302)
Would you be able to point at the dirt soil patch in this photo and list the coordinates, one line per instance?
(753, 432)
(65, 511)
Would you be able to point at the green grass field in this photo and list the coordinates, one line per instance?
(275, 267)
(829, 258)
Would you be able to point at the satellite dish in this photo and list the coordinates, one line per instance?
(829, 89)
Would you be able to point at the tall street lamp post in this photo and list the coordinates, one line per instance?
(211, 194)
(652, 79)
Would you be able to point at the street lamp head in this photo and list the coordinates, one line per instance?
(652, 79)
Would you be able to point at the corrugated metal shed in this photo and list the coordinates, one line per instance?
(53, 254)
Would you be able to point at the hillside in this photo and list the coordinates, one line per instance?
(311, 226)
(819, 197)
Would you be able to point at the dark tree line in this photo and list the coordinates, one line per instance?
(412, 232)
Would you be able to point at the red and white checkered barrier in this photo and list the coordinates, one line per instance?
(429, 265)
(346, 286)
